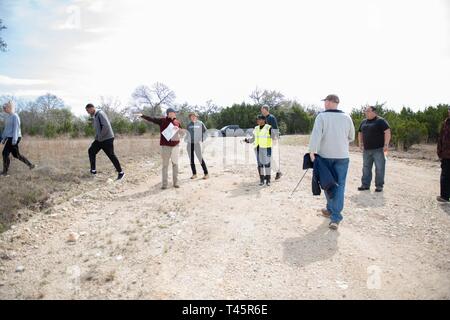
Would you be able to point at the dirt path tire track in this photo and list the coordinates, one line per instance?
(227, 238)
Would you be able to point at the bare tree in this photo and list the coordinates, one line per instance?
(164, 94)
(155, 98)
(49, 102)
(207, 110)
(112, 107)
(257, 96)
(3, 45)
(271, 98)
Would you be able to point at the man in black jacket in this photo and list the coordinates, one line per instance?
(272, 121)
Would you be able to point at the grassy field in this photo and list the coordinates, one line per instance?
(62, 169)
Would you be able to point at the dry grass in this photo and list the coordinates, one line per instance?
(62, 164)
(295, 140)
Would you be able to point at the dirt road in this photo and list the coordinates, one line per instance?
(228, 238)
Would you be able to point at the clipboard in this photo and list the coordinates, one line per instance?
(170, 131)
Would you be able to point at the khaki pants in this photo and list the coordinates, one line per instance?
(169, 154)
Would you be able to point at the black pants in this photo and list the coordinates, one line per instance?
(108, 147)
(445, 179)
(14, 150)
(196, 148)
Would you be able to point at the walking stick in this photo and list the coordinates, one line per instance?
(279, 154)
(295, 189)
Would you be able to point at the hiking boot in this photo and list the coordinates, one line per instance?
(333, 225)
(440, 199)
(120, 175)
(194, 176)
(278, 175)
(206, 177)
(261, 180)
(379, 190)
(325, 213)
(362, 188)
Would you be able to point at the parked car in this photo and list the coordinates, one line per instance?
(232, 130)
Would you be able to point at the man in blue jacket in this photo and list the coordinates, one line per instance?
(330, 137)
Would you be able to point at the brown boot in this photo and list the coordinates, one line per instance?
(325, 213)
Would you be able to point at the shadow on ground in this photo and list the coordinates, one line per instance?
(367, 199)
(445, 207)
(246, 189)
(318, 245)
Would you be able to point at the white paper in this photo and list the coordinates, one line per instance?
(169, 132)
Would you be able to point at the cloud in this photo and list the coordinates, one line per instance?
(8, 81)
(206, 49)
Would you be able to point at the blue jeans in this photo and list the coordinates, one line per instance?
(339, 169)
(369, 157)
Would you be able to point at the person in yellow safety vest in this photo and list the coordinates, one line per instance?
(262, 140)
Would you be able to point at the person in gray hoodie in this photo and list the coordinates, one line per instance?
(104, 140)
(196, 130)
(11, 137)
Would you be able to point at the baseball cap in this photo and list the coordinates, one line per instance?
(169, 110)
(332, 97)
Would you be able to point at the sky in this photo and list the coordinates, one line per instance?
(365, 51)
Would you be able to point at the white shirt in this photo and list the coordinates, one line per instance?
(332, 132)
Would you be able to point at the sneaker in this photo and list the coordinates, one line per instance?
(334, 225)
(93, 171)
(194, 176)
(440, 199)
(176, 186)
(163, 187)
(326, 213)
(120, 175)
(32, 166)
(379, 190)
(4, 174)
(268, 183)
(206, 177)
(278, 175)
(362, 188)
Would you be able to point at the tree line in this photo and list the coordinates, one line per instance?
(49, 116)
(409, 127)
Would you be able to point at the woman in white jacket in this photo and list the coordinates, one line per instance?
(11, 138)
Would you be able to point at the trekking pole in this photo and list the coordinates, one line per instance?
(295, 189)
(279, 153)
